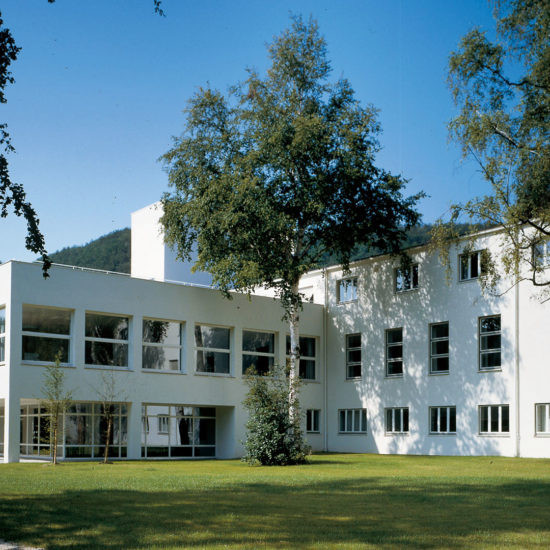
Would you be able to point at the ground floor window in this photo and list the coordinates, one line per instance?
(1, 431)
(178, 431)
(397, 420)
(83, 431)
(543, 418)
(353, 420)
(442, 420)
(312, 420)
(494, 419)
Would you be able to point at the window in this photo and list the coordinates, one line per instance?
(161, 348)
(406, 279)
(46, 333)
(312, 420)
(178, 431)
(353, 356)
(258, 351)
(307, 356)
(489, 342)
(163, 424)
(394, 352)
(106, 341)
(442, 420)
(347, 290)
(494, 419)
(353, 420)
(541, 254)
(213, 349)
(397, 420)
(2, 334)
(543, 419)
(439, 348)
(471, 265)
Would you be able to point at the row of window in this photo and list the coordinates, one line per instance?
(489, 337)
(471, 265)
(46, 334)
(493, 419)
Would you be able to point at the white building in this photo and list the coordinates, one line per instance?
(392, 362)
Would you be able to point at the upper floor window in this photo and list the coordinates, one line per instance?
(161, 348)
(397, 420)
(312, 420)
(439, 348)
(347, 290)
(406, 279)
(353, 356)
(471, 265)
(307, 356)
(542, 412)
(46, 334)
(258, 351)
(494, 419)
(541, 253)
(489, 342)
(442, 420)
(394, 352)
(106, 340)
(353, 420)
(2, 334)
(213, 346)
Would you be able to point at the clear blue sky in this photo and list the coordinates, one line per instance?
(100, 88)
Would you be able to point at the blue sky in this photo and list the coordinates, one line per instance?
(100, 87)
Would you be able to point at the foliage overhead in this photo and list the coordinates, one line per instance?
(273, 435)
(502, 90)
(271, 177)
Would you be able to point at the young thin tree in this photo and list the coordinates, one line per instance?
(56, 402)
(110, 395)
(281, 171)
(502, 90)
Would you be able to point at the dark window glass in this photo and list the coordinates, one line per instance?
(106, 353)
(213, 337)
(106, 326)
(38, 348)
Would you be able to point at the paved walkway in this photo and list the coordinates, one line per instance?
(12, 546)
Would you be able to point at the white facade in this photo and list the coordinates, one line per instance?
(432, 367)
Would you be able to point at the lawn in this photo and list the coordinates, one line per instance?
(336, 501)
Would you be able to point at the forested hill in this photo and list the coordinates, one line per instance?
(110, 252)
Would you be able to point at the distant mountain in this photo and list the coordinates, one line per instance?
(110, 252)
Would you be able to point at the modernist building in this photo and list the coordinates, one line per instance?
(393, 361)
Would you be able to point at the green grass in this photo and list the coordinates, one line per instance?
(336, 501)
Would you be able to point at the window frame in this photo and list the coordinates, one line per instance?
(398, 272)
(439, 355)
(355, 413)
(546, 416)
(354, 363)
(313, 421)
(490, 432)
(347, 282)
(126, 342)
(305, 357)
(145, 344)
(258, 353)
(388, 345)
(491, 350)
(49, 335)
(227, 351)
(390, 430)
(440, 408)
(541, 260)
(480, 267)
(3, 335)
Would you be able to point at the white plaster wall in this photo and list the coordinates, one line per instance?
(5, 292)
(83, 291)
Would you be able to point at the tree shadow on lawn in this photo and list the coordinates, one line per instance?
(399, 513)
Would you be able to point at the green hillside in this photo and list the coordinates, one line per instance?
(110, 252)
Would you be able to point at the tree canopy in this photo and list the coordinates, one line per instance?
(279, 172)
(502, 90)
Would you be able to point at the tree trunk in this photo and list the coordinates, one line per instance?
(54, 434)
(294, 354)
(108, 438)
